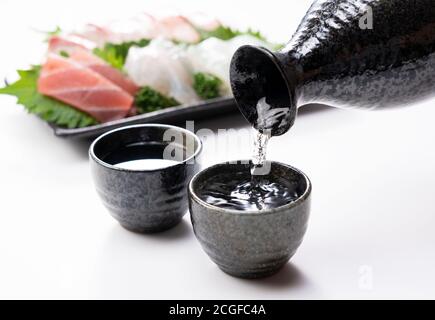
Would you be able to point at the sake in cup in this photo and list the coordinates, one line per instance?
(141, 174)
(256, 243)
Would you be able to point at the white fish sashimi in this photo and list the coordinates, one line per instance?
(161, 66)
(139, 27)
(95, 33)
(169, 68)
(142, 26)
(214, 56)
(203, 21)
(178, 28)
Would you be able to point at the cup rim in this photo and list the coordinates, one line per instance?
(290, 205)
(148, 125)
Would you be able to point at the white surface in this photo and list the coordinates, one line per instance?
(373, 211)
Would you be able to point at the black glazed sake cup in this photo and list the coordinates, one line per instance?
(145, 201)
(250, 244)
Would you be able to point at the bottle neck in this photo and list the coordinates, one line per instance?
(263, 89)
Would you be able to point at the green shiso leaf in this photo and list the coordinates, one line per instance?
(55, 32)
(227, 33)
(147, 99)
(109, 55)
(50, 110)
(207, 86)
(115, 54)
(64, 54)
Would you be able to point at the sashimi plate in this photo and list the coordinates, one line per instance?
(148, 68)
(173, 115)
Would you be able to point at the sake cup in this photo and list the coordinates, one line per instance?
(145, 200)
(250, 244)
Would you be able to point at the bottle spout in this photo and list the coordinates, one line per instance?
(262, 91)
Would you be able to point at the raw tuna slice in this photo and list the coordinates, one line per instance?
(80, 53)
(87, 59)
(58, 44)
(80, 87)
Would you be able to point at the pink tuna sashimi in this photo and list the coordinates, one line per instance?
(82, 55)
(83, 89)
(89, 60)
(58, 44)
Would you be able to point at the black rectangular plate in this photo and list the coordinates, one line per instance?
(174, 115)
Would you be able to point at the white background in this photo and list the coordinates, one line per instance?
(371, 233)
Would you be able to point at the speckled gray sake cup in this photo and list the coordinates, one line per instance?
(144, 201)
(250, 244)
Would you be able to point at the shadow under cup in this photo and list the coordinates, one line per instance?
(145, 200)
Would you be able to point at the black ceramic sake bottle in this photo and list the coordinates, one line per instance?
(345, 53)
